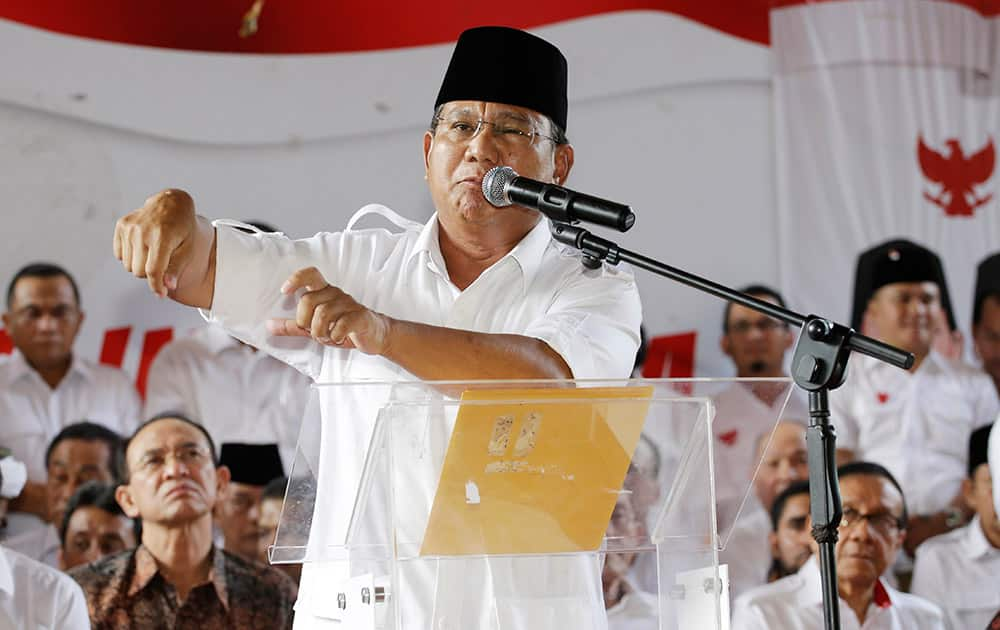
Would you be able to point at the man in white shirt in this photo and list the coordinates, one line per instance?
(986, 317)
(476, 293)
(44, 386)
(916, 423)
(744, 412)
(33, 595)
(238, 393)
(784, 461)
(790, 538)
(80, 453)
(871, 534)
(960, 570)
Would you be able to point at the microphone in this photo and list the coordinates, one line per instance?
(502, 186)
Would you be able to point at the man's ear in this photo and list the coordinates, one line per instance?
(428, 143)
(59, 557)
(563, 163)
(222, 478)
(123, 494)
(726, 345)
(6, 320)
(772, 539)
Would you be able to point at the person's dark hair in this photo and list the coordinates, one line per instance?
(98, 495)
(275, 489)
(93, 432)
(979, 447)
(793, 490)
(977, 307)
(170, 415)
(558, 133)
(875, 470)
(757, 291)
(41, 270)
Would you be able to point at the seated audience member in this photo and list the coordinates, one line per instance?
(176, 578)
(916, 423)
(95, 526)
(629, 607)
(791, 540)
(33, 595)
(960, 570)
(236, 392)
(271, 504)
(237, 512)
(80, 453)
(44, 386)
(870, 536)
(756, 344)
(783, 458)
(986, 317)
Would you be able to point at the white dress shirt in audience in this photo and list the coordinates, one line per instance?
(915, 424)
(37, 543)
(960, 572)
(796, 603)
(33, 595)
(994, 460)
(238, 394)
(741, 419)
(748, 551)
(33, 413)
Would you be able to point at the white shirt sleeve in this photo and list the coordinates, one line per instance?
(842, 417)
(593, 324)
(72, 613)
(166, 386)
(987, 404)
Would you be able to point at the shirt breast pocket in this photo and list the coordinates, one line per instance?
(949, 424)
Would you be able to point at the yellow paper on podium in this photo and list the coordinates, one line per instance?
(538, 474)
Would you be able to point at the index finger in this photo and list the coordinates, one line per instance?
(309, 279)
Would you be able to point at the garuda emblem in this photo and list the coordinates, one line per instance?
(957, 175)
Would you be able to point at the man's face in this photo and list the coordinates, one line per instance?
(755, 342)
(455, 164)
(172, 478)
(869, 535)
(790, 544)
(784, 462)
(43, 320)
(93, 533)
(270, 516)
(979, 497)
(903, 314)
(986, 337)
(73, 463)
(237, 513)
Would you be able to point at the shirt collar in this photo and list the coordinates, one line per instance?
(527, 253)
(20, 369)
(6, 573)
(146, 569)
(813, 592)
(974, 542)
(217, 340)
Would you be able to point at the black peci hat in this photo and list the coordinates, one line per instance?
(898, 260)
(252, 464)
(497, 64)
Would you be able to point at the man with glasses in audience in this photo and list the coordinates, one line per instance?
(871, 534)
(475, 293)
(44, 386)
(177, 578)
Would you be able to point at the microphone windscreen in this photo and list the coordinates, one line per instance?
(495, 185)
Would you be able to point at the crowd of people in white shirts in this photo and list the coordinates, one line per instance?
(919, 546)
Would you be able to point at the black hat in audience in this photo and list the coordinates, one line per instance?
(497, 64)
(987, 283)
(898, 260)
(252, 464)
(979, 447)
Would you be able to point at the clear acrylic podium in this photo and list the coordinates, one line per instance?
(516, 505)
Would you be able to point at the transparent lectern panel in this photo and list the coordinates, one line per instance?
(511, 504)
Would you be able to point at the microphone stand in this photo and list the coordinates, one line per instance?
(819, 364)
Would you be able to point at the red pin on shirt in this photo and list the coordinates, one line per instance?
(882, 397)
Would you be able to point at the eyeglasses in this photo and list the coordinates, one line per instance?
(884, 523)
(764, 326)
(511, 133)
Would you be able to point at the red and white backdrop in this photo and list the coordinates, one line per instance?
(733, 128)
